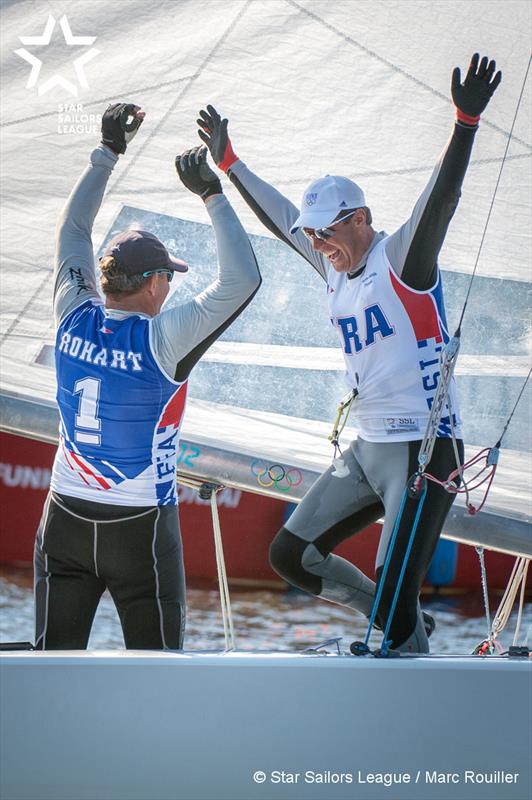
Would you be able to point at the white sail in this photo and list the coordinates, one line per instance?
(360, 89)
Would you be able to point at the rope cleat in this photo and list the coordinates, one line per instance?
(386, 652)
(359, 649)
(206, 489)
(519, 652)
(416, 485)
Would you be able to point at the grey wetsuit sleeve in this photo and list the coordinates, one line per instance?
(74, 272)
(276, 212)
(414, 248)
(181, 335)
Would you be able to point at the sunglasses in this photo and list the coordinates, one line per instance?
(325, 233)
(168, 272)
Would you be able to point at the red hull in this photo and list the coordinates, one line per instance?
(249, 523)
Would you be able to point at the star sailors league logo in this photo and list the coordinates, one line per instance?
(56, 79)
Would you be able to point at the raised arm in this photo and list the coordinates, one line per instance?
(74, 270)
(414, 248)
(274, 210)
(181, 335)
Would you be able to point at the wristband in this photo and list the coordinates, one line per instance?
(461, 117)
(214, 187)
(229, 157)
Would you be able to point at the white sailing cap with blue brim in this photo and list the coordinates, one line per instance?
(324, 199)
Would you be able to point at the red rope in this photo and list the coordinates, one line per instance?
(473, 483)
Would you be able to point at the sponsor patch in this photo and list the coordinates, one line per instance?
(401, 424)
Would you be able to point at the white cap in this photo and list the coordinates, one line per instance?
(325, 198)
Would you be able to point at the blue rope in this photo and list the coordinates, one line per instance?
(380, 589)
(385, 643)
(385, 567)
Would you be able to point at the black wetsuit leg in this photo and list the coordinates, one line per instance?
(149, 588)
(67, 588)
(82, 548)
(435, 508)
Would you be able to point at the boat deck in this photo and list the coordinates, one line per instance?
(196, 726)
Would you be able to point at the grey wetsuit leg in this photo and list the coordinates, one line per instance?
(332, 510)
(386, 467)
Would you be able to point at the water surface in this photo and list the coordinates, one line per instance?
(267, 619)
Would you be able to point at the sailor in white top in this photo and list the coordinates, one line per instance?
(386, 303)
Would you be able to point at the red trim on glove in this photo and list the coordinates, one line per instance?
(229, 157)
(461, 117)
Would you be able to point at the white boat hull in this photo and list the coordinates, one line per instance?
(166, 726)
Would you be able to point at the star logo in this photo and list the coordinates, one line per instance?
(71, 41)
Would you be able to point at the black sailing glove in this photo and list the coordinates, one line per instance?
(196, 174)
(117, 131)
(473, 95)
(213, 131)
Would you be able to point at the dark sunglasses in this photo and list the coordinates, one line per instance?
(168, 272)
(326, 233)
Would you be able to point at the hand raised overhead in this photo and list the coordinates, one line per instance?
(196, 174)
(473, 95)
(213, 131)
(120, 123)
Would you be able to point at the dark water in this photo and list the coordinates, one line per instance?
(265, 619)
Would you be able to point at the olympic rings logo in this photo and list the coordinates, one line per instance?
(276, 475)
